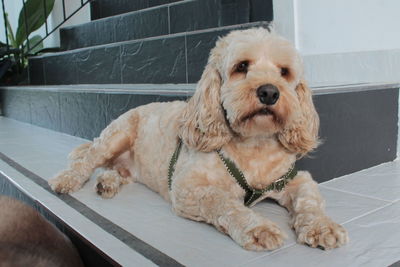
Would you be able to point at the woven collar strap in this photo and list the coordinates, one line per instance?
(253, 194)
(172, 162)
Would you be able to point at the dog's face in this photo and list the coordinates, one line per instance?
(260, 73)
(251, 87)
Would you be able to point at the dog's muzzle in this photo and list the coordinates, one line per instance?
(268, 94)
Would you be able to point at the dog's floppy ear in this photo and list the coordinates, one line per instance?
(301, 136)
(203, 126)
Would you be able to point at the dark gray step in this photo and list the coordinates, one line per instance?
(107, 8)
(176, 58)
(181, 16)
(358, 122)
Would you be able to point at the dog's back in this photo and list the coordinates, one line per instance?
(27, 239)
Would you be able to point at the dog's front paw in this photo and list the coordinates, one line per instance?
(323, 233)
(67, 181)
(263, 236)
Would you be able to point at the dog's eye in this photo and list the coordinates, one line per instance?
(242, 67)
(284, 72)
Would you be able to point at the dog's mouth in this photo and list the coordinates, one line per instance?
(259, 112)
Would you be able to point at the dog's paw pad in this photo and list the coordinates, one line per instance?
(107, 186)
(324, 234)
(265, 237)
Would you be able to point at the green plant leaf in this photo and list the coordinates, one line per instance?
(37, 39)
(34, 13)
(10, 32)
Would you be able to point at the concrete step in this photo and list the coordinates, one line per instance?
(138, 228)
(358, 122)
(175, 58)
(182, 16)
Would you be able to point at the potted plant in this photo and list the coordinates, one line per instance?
(14, 58)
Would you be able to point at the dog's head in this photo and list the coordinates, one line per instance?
(252, 86)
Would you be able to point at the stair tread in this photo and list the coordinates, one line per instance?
(115, 225)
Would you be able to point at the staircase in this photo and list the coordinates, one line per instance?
(136, 52)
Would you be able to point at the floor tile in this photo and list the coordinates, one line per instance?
(382, 182)
(374, 241)
(342, 207)
(365, 208)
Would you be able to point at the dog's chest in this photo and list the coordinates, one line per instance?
(261, 163)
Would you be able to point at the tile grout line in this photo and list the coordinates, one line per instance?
(367, 213)
(354, 193)
(186, 59)
(270, 254)
(169, 20)
(359, 172)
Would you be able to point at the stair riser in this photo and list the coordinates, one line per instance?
(163, 20)
(106, 8)
(179, 58)
(355, 136)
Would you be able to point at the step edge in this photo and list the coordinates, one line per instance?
(187, 89)
(167, 36)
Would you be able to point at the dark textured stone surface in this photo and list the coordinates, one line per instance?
(101, 65)
(45, 111)
(16, 104)
(83, 114)
(234, 12)
(107, 8)
(157, 61)
(36, 75)
(153, 22)
(198, 50)
(358, 130)
(193, 16)
(183, 17)
(80, 36)
(121, 103)
(261, 10)
(206, 14)
(137, 25)
(60, 69)
(174, 59)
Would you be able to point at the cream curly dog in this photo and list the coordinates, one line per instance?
(251, 106)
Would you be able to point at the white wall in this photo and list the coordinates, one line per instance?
(337, 26)
(13, 8)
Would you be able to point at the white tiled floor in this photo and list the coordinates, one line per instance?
(367, 203)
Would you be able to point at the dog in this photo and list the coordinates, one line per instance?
(251, 109)
(28, 239)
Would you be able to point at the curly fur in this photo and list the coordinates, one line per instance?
(224, 113)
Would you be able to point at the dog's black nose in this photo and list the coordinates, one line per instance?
(268, 94)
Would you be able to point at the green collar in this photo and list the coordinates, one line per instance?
(252, 194)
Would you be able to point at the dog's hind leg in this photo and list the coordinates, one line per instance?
(79, 152)
(117, 138)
